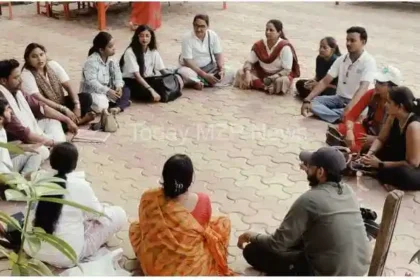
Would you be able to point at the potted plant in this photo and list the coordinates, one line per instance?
(31, 190)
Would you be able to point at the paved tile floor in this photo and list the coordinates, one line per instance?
(244, 145)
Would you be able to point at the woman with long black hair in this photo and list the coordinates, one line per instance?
(84, 232)
(396, 152)
(102, 76)
(140, 63)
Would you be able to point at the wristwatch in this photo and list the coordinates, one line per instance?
(306, 101)
(381, 165)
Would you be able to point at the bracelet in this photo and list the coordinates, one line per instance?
(306, 101)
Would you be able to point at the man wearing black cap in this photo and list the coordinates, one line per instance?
(323, 233)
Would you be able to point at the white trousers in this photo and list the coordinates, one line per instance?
(52, 129)
(28, 162)
(99, 102)
(97, 232)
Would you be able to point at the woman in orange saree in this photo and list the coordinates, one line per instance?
(145, 13)
(175, 235)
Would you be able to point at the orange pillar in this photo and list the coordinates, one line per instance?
(101, 15)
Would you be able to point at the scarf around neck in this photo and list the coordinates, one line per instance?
(50, 88)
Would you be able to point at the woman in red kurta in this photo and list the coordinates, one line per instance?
(146, 13)
(359, 135)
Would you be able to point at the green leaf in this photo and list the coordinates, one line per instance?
(10, 221)
(4, 251)
(50, 189)
(42, 177)
(34, 242)
(40, 266)
(13, 149)
(415, 256)
(14, 195)
(72, 204)
(59, 244)
(13, 257)
(38, 229)
(18, 270)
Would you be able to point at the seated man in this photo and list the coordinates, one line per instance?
(25, 163)
(23, 125)
(201, 58)
(323, 233)
(360, 136)
(355, 72)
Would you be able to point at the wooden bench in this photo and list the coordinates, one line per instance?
(386, 232)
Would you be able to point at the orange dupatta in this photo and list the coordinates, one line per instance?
(168, 241)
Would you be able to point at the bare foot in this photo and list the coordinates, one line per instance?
(198, 86)
(115, 110)
(270, 90)
(90, 116)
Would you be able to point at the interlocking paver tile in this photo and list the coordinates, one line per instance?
(244, 145)
(275, 190)
(253, 181)
(234, 173)
(239, 206)
(243, 193)
(238, 222)
(263, 215)
(279, 178)
(258, 170)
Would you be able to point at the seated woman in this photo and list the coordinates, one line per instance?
(189, 242)
(396, 152)
(360, 136)
(328, 53)
(140, 63)
(83, 231)
(47, 81)
(201, 60)
(102, 77)
(272, 63)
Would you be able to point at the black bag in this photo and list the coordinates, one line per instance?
(167, 86)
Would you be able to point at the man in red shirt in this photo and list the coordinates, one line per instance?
(360, 135)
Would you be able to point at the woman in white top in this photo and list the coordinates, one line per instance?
(48, 82)
(102, 77)
(140, 63)
(83, 231)
(272, 63)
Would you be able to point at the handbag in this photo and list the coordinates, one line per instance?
(166, 85)
(107, 123)
(210, 68)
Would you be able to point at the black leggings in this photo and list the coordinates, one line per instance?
(138, 92)
(406, 178)
(303, 92)
(290, 264)
(85, 103)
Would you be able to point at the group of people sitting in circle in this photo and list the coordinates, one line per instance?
(176, 233)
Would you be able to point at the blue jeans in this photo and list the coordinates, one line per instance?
(329, 108)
